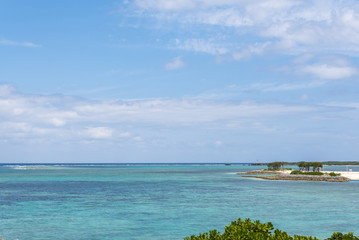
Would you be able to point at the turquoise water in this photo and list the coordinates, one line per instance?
(61, 202)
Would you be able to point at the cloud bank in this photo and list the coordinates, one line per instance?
(63, 117)
(235, 27)
(151, 127)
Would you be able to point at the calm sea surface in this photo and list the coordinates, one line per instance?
(59, 202)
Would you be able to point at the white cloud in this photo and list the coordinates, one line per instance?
(61, 119)
(218, 143)
(175, 63)
(19, 44)
(292, 25)
(287, 86)
(254, 49)
(99, 132)
(24, 130)
(64, 117)
(138, 139)
(325, 71)
(58, 122)
(235, 91)
(124, 134)
(230, 17)
(177, 111)
(6, 90)
(173, 5)
(165, 5)
(200, 45)
(304, 97)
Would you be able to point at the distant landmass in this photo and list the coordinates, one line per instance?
(324, 163)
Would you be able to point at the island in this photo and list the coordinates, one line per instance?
(328, 163)
(308, 171)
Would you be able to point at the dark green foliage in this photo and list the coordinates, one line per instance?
(275, 165)
(313, 173)
(333, 174)
(341, 236)
(316, 166)
(302, 166)
(305, 166)
(307, 173)
(248, 230)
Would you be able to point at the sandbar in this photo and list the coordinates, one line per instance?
(285, 175)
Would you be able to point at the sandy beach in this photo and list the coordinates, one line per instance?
(350, 175)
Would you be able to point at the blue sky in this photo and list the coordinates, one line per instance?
(179, 81)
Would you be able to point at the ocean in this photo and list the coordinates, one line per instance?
(154, 201)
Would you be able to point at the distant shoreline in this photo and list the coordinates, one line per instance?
(325, 163)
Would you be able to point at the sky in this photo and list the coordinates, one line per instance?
(169, 81)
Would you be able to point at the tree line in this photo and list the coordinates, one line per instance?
(275, 165)
(303, 166)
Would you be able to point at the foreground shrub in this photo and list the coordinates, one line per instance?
(333, 174)
(248, 230)
(341, 236)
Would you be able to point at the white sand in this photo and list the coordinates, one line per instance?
(350, 175)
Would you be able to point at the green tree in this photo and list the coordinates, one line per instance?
(275, 165)
(248, 230)
(316, 166)
(301, 166)
(305, 166)
(341, 236)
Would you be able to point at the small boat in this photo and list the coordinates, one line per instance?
(228, 164)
